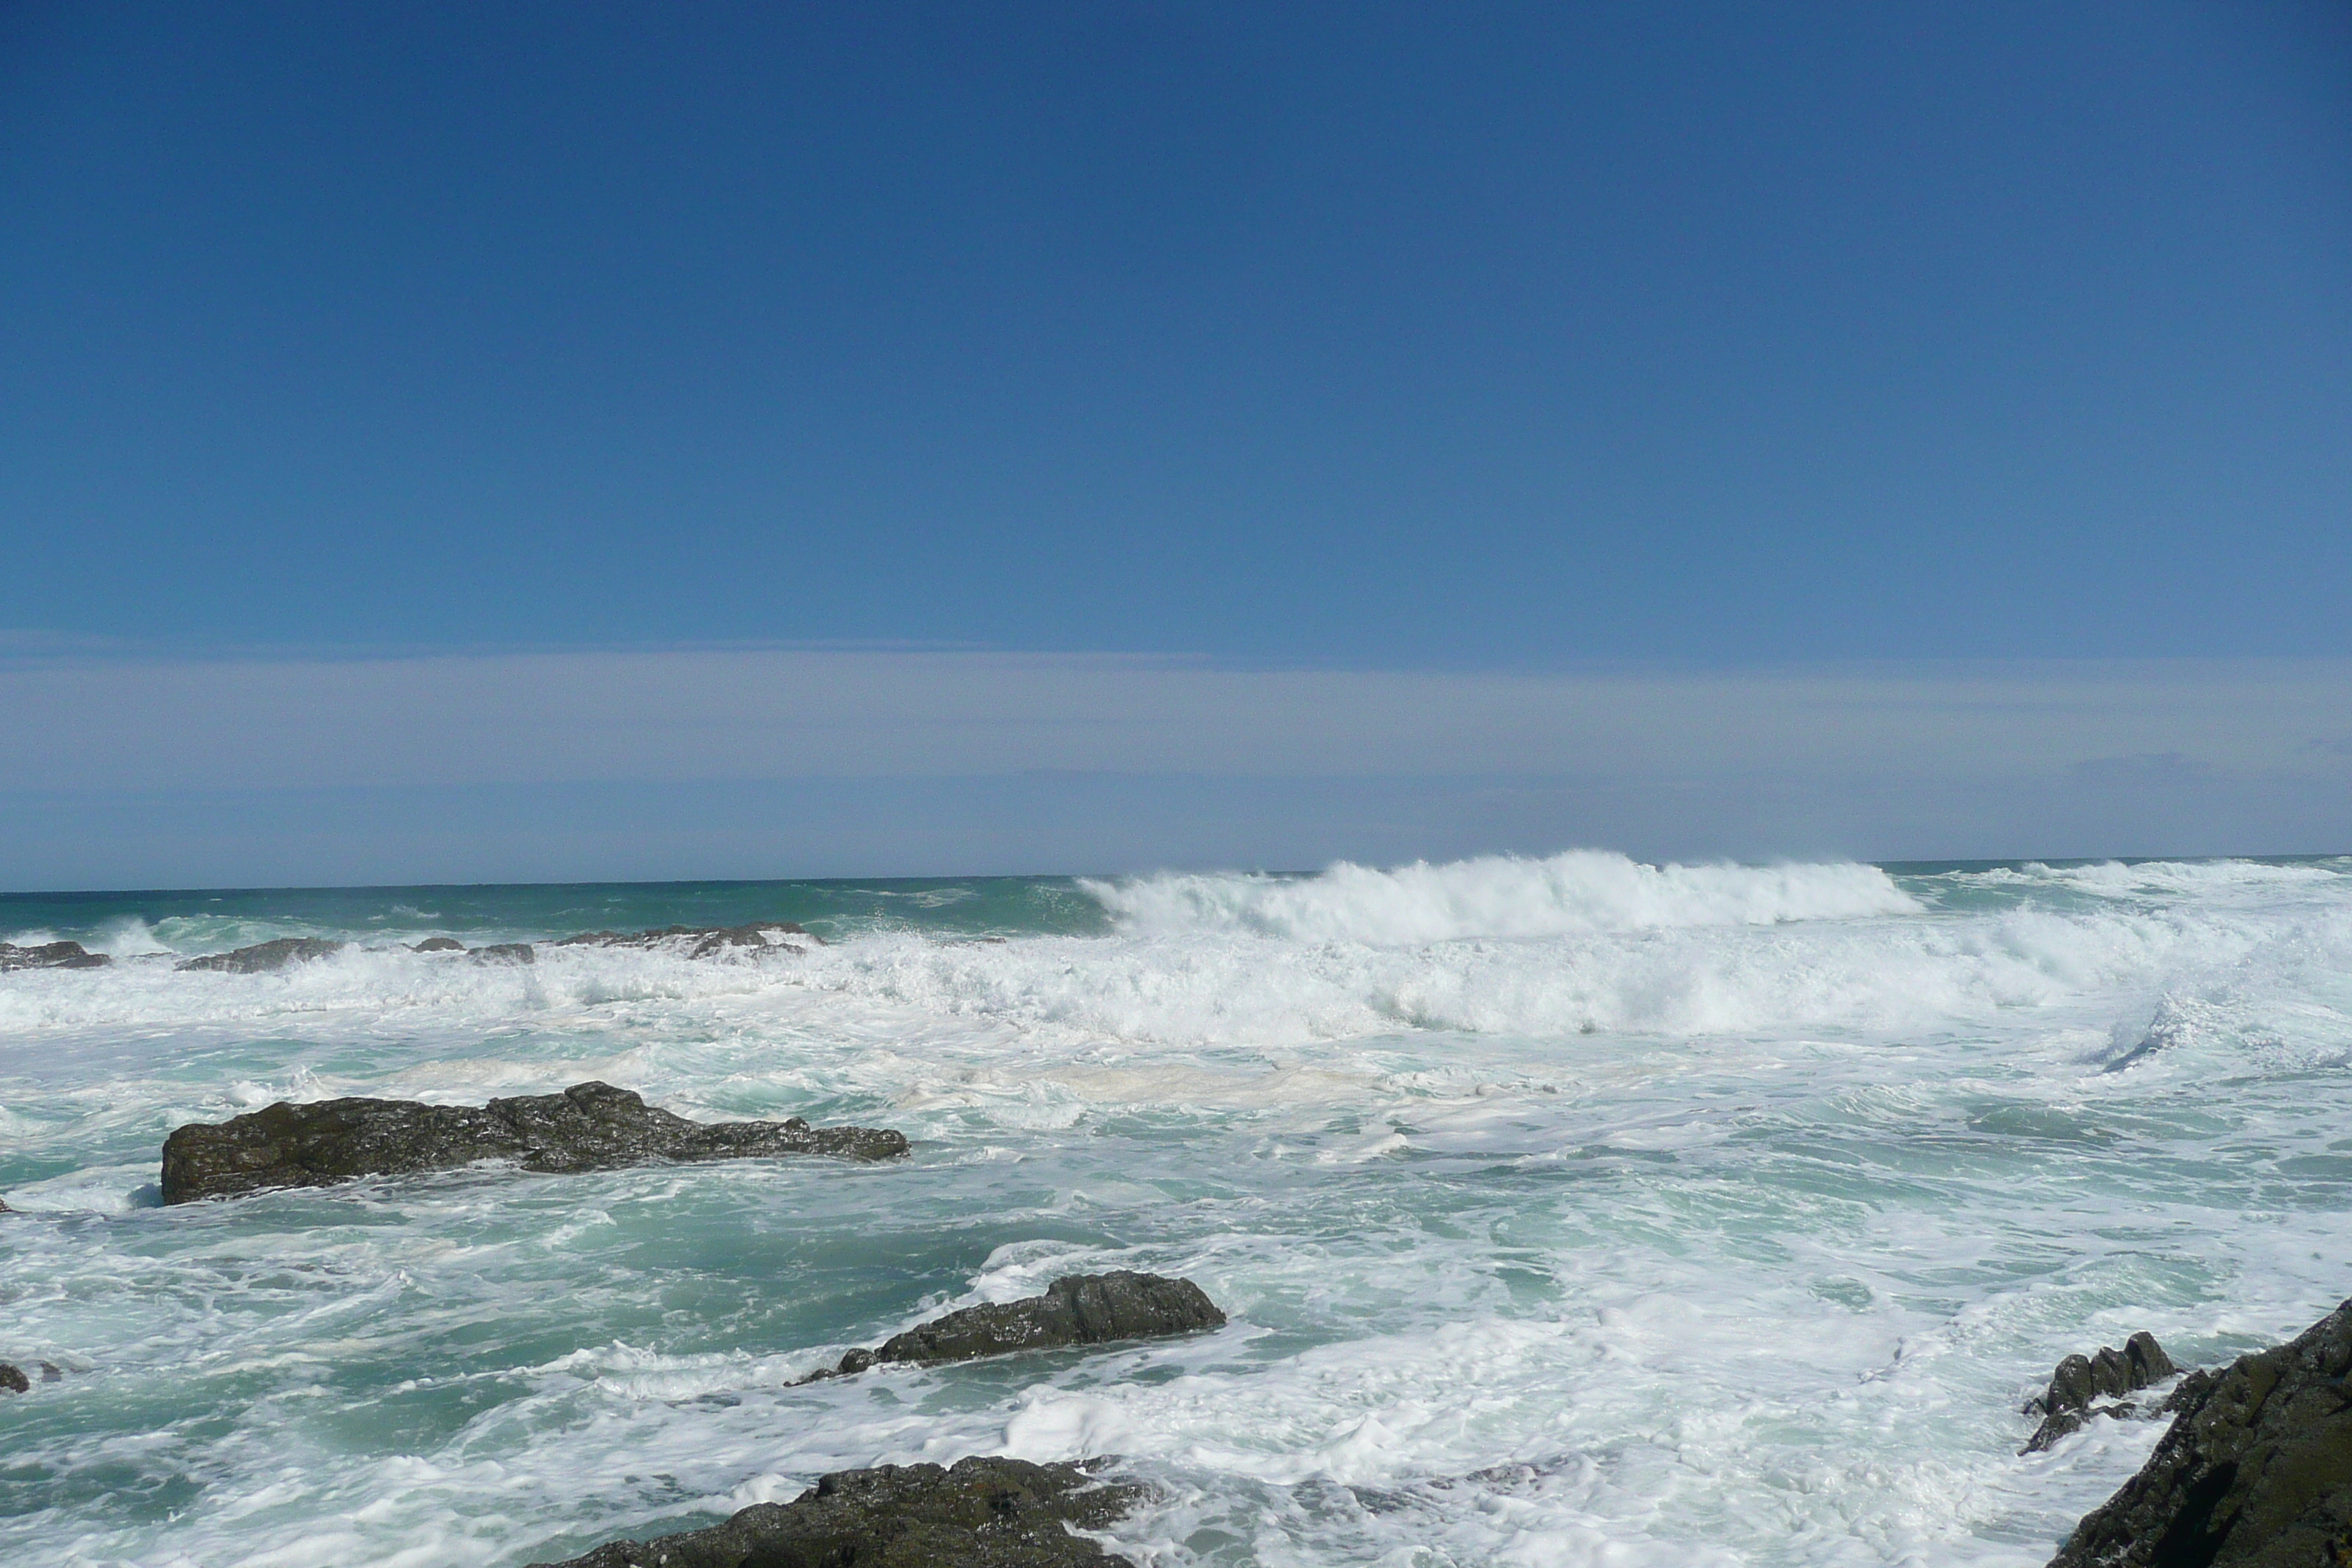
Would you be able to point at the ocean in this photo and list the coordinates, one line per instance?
(1567, 1211)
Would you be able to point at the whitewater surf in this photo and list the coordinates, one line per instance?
(1567, 1211)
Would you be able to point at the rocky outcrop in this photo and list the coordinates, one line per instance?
(701, 941)
(12, 1379)
(2257, 1471)
(2085, 1387)
(495, 952)
(982, 1513)
(1076, 1309)
(50, 955)
(265, 957)
(588, 1127)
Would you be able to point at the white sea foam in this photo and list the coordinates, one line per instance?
(1567, 1212)
(1500, 896)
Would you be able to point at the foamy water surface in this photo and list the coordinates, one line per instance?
(1567, 1211)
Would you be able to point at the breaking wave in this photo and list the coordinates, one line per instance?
(1581, 891)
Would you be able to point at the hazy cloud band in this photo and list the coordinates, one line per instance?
(687, 716)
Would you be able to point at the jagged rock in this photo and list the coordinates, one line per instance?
(2255, 1472)
(983, 1513)
(506, 952)
(5, 1208)
(588, 1127)
(699, 942)
(12, 1378)
(2081, 1382)
(439, 944)
(50, 955)
(1075, 1309)
(265, 957)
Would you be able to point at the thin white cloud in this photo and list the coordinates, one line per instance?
(721, 715)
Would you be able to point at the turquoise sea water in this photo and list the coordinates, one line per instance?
(1569, 1211)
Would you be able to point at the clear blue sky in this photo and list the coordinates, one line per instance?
(1461, 334)
(1542, 341)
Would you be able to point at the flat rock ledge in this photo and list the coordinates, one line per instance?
(269, 957)
(2257, 1471)
(2084, 1386)
(1075, 1309)
(702, 941)
(50, 955)
(983, 1513)
(588, 1127)
(265, 957)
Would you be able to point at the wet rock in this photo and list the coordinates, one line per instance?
(982, 1513)
(265, 957)
(439, 944)
(1076, 1309)
(52, 1373)
(701, 942)
(2255, 1472)
(50, 955)
(588, 1127)
(506, 952)
(12, 1378)
(2081, 1383)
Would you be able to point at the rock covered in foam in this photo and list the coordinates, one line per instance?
(985, 1512)
(2081, 1383)
(1075, 1309)
(701, 941)
(2257, 1471)
(265, 957)
(588, 1127)
(50, 955)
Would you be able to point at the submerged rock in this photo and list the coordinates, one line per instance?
(2257, 1471)
(699, 942)
(588, 1127)
(265, 957)
(50, 955)
(2080, 1383)
(506, 952)
(983, 1513)
(1076, 1309)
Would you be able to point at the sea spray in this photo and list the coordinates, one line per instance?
(1566, 1210)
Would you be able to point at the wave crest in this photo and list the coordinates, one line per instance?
(1580, 891)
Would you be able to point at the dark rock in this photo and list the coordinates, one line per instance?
(52, 1373)
(506, 952)
(699, 942)
(5, 1208)
(2257, 1471)
(50, 955)
(12, 1378)
(265, 957)
(588, 1127)
(1076, 1309)
(983, 1513)
(2081, 1382)
(439, 944)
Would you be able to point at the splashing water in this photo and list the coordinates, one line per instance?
(1569, 1211)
